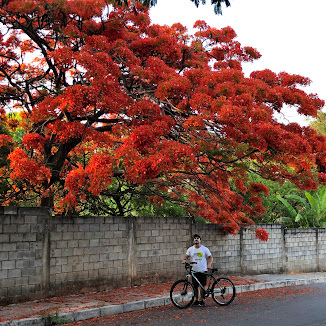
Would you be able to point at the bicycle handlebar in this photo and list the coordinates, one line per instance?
(188, 265)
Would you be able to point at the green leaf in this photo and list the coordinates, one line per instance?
(313, 202)
(323, 198)
(284, 219)
(298, 218)
(291, 210)
(300, 199)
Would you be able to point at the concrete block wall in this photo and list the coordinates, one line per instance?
(262, 257)
(301, 250)
(89, 252)
(21, 252)
(42, 255)
(321, 259)
(160, 246)
(224, 248)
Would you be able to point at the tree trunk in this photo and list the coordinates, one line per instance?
(48, 202)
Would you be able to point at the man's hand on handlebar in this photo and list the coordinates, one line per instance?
(189, 264)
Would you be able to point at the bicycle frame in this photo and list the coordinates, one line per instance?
(212, 279)
(222, 289)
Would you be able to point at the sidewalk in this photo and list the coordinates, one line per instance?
(99, 304)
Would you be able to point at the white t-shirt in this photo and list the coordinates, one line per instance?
(199, 255)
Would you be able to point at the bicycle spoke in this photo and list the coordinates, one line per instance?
(223, 291)
(182, 294)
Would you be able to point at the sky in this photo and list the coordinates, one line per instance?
(290, 34)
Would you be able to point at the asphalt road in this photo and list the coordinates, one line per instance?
(288, 306)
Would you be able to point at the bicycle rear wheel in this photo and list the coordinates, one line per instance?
(223, 291)
(182, 294)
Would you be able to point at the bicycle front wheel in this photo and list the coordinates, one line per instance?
(223, 291)
(182, 294)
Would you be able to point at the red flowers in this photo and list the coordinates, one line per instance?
(27, 169)
(5, 139)
(118, 104)
(261, 234)
(257, 188)
(33, 141)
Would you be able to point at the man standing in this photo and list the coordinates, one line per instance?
(203, 257)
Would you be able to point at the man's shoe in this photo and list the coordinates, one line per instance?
(196, 303)
(201, 303)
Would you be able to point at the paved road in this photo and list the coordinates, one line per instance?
(289, 306)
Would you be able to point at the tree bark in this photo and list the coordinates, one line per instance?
(48, 202)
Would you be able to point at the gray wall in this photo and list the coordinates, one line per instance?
(42, 256)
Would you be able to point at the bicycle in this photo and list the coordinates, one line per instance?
(221, 289)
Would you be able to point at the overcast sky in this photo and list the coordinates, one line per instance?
(290, 34)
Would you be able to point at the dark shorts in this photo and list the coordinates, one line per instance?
(201, 278)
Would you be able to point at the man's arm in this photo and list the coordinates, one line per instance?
(185, 258)
(210, 261)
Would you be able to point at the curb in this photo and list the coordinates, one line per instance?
(148, 303)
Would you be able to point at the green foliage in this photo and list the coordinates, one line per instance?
(165, 210)
(287, 205)
(51, 320)
(119, 199)
(320, 123)
(295, 216)
(123, 199)
(311, 213)
(4, 150)
(275, 210)
(17, 133)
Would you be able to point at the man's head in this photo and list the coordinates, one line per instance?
(197, 239)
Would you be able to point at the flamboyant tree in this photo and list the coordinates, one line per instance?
(109, 101)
